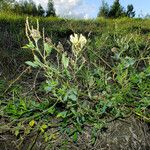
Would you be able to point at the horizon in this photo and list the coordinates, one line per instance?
(87, 9)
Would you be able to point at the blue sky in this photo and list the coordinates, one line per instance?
(139, 5)
(89, 8)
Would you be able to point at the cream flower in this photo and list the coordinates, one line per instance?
(78, 42)
(74, 39)
(35, 34)
(31, 32)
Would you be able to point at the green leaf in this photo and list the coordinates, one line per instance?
(29, 46)
(17, 132)
(62, 114)
(65, 60)
(74, 112)
(51, 110)
(47, 48)
(72, 94)
(75, 137)
(36, 59)
(48, 88)
(32, 64)
(46, 137)
(122, 79)
(50, 85)
(31, 123)
(128, 61)
(42, 130)
(44, 126)
(73, 97)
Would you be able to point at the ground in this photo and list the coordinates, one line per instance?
(121, 134)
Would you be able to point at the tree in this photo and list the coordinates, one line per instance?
(17, 8)
(104, 10)
(50, 9)
(34, 10)
(6, 5)
(116, 10)
(21, 7)
(41, 11)
(26, 7)
(130, 11)
(147, 16)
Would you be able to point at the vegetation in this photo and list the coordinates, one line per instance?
(130, 11)
(63, 80)
(99, 78)
(27, 7)
(116, 10)
(5, 4)
(50, 11)
(104, 10)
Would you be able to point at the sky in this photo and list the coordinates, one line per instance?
(89, 8)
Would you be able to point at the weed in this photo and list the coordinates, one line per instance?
(91, 84)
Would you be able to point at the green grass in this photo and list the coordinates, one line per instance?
(13, 35)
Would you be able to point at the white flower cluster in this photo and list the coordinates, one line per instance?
(35, 34)
(78, 42)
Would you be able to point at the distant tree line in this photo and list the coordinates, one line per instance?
(27, 7)
(116, 10)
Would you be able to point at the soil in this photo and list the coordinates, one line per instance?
(122, 134)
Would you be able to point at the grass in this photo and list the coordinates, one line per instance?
(91, 85)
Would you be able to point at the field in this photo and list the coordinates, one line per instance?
(74, 84)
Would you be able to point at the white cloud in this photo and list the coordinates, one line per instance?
(70, 8)
(42, 2)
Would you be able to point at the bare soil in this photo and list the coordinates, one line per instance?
(122, 134)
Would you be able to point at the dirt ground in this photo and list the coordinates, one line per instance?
(122, 134)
